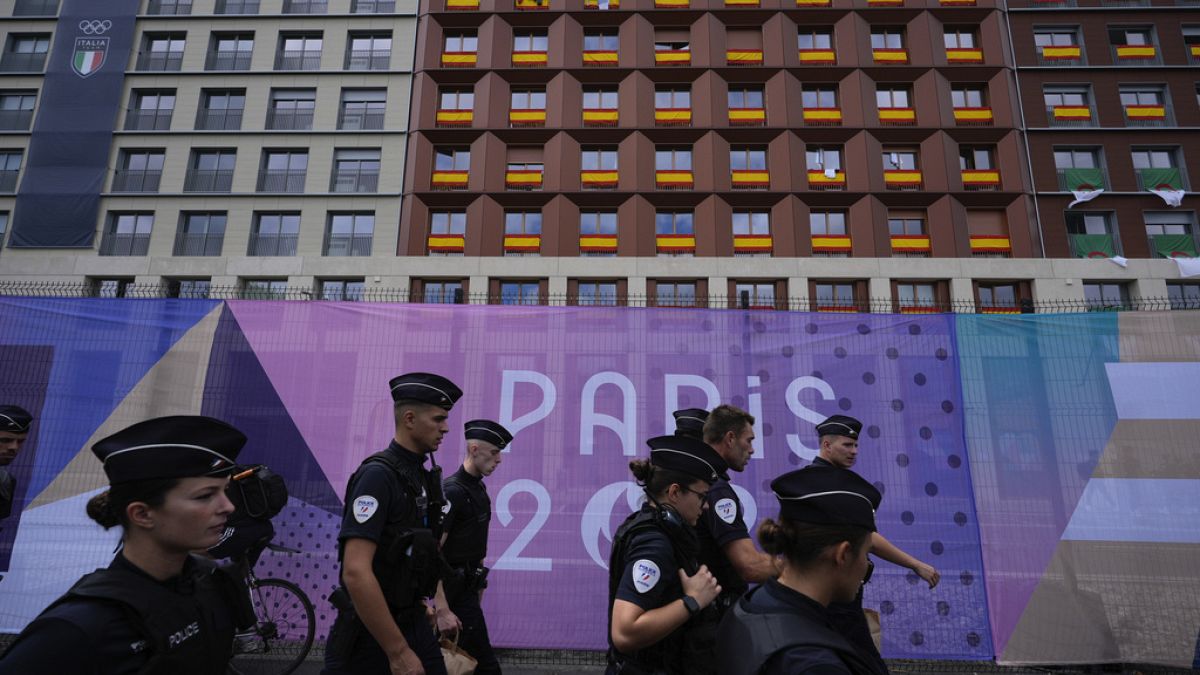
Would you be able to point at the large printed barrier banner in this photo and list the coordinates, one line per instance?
(1046, 464)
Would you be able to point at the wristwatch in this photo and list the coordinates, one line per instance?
(692, 606)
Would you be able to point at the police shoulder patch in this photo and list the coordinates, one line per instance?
(726, 510)
(645, 575)
(365, 507)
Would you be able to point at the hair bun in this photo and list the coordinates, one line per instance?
(100, 509)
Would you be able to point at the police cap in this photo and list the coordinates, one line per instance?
(826, 496)
(840, 425)
(686, 455)
(426, 388)
(690, 422)
(487, 430)
(181, 446)
(14, 419)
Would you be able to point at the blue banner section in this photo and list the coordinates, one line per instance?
(59, 197)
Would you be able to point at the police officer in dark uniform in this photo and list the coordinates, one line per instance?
(839, 452)
(468, 512)
(14, 429)
(826, 519)
(157, 609)
(391, 524)
(655, 584)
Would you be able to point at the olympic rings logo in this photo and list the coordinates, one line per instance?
(95, 26)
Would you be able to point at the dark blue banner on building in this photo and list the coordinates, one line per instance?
(59, 199)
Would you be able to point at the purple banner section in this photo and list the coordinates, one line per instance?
(582, 388)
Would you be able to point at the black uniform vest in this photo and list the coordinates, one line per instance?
(467, 545)
(760, 636)
(185, 634)
(667, 654)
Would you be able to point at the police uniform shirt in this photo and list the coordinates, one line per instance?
(466, 516)
(774, 597)
(8, 492)
(721, 523)
(378, 497)
(651, 575)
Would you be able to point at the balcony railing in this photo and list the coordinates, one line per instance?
(17, 120)
(1061, 55)
(1070, 116)
(289, 120)
(305, 6)
(354, 181)
(208, 180)
(360, 121)
(281, 181)
(1064, 185)
(148, 120)
(272, 244)
(368, 59)
(160, 62)
(373, 6)
(22, 63)
(228, 61)
(294, 60)
(219, 120)
(169, 7)
(1148, 116)
(134, 180)
(237, 7)
(36, 8)
(198, 244)
(1136, 55)
(354, 245)
(125, 243)
(8, 181)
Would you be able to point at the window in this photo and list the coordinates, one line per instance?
(1050, 42)
(25, 53)
(265, 289)
(221, 109)
(530, 41)
(349, 234)
(305, 6)
(675, 294)
(1153, 158)
(200, 233)
(601, 98)
(236, 7)
(230, 51)
(457, 99)
(1088, 222)
(1133, 36)
(16, 110)
(754, 295)
(976, 157)
(35, 8)
(753, 158)
(891, 96)
(1079, 168)
(1105, 296)
(745, 96)
(519, 292)
(162, 52)
(210, 170)
(757, 223)
(968, 96)
(1157, 168)
(138, 171)
(193, 289)
(1183, 295)
(916, 295)
(1164, 222)
(362, 109)
(369, 51)
(529, 99)
(450, 292)
(905, 226)
(673, 159)
(818, 97)
(1066, 96)
(1076, 158)
(448, 222)
(1091, 234)
(461, 42)
(372, 6)
(959, 38)
(110, 288)
(834, 296)
(1171, 233)
(899, 159)
(602, 158)
(3, 226)
(815, 38)
(299, 52)
(452, 159)
(342, 290)
(596, 294)
(1143, 95)
(291, 109)
(355, 170)
(827, 223)
(600, 41)
(523, 222)
(127, 233)
(274, 234)
(283, 170)
(672, 40)
(598, 222)
(1145, 105)
(149, 109)
(887, 38)
(1002, 296)
(673, 222)
(827, 159)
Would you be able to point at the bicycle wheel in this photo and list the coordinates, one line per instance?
(286, 623)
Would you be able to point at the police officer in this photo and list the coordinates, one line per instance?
(826, 519)
(468, 512)
(839, 452)
(655, 584)
(14, 429)
(388, 544)
(156, 609)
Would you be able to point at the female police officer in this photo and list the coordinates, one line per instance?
(156, 608)
(655, 585)
(822, 535)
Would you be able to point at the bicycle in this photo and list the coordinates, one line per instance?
(286, 622)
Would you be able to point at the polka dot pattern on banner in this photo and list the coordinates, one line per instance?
(313, 532)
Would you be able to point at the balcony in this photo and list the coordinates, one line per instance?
(890, 57)
(448, 180)
(977, 180)
(673, 117)
(744, 57)
(531, 5)
(1136, 55)
(522, 244)
(281, 181)
(368, 59)
(272, 244)
(530, 59)
(991, 246)
(458, 59)
(462, 5)
(1194, 53)
(673, 180)
(523, 179)
(198, 244)
(219, 120)
(125, 243)
(813, 3)
(1148, 116)
(208, 180)
(598, 180)
(1069, 116)
(750, 179)
(973, 117)
(600, 58)
(671, 4)
(352, 245)
(36, 8)
(743, 3)
(911, 245)
(673, 57)
(454, 118)
(1053, 4)
(956, 3)
(365, 121)
(830, 243)
(675, 244)
(1092, 245)
(526, 117)
(128, 180)
(160, 62)
(964, 56)
(373, 7)
(753, 244)
(747, 117)
(817, 57)
(822, 117)
(298, 60)
(289, 120)
(898, 117)
(600, 4)
(1081, 180)
(826, 179)
(8, 181)
(1173, 246)
(228, 61)
(1160, 179)
(354, 181)
(148, 120)
(904, 180)
(305, 6)
(1060, 55)
(600, 117)
(237, 7)
(598, 244)
(885, 3)
(161, 7)
(446, 244)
